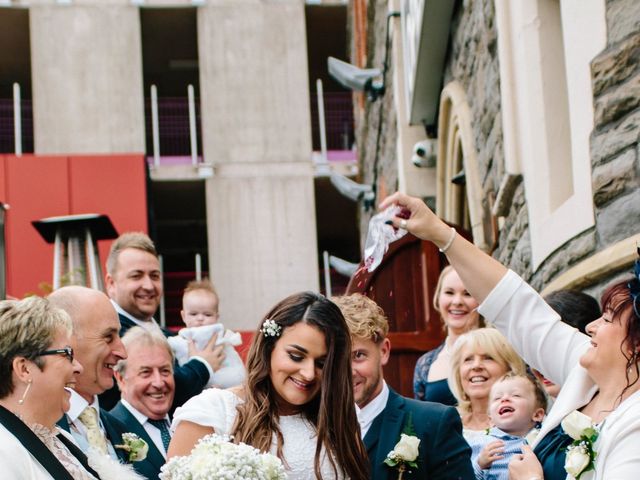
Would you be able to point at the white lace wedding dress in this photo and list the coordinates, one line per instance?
(217, 409)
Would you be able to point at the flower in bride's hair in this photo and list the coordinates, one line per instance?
(270, 328)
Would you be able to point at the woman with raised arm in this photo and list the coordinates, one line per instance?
(459, 313)
(599, 402)
(297, 401)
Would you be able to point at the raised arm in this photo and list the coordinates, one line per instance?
(479, 272)
(534, 330)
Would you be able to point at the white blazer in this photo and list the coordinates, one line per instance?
(16, 463)
(554, 348)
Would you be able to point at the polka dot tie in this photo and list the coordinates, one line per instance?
(89, 418)
(164, 431)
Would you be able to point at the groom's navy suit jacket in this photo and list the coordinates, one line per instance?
(190, 378)
(444, 454)
(150, 466)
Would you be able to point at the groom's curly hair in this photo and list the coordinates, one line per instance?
(331, 411)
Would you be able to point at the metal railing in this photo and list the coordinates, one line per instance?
(16, 124)
(173, 126)
(339, 126)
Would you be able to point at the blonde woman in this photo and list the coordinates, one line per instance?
(479, 358)
(458, 310)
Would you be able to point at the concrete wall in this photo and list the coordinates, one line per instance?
(86, 78)
(257, 133)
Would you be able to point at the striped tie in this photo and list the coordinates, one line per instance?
(89, 418)
(164, 431)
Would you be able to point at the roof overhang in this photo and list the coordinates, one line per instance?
(425, 33)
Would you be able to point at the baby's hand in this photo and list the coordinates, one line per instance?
(490, 453)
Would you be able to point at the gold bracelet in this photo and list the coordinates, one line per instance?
(450, 242)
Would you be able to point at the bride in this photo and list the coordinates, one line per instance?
(297, 401)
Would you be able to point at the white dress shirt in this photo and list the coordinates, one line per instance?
(371, 410)
(153, 431)
(78, 430)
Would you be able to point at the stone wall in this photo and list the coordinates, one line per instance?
(473, 61)
(368, 117)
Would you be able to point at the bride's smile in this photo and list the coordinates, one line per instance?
(296, 366)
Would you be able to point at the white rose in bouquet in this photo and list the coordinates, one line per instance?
(577, 460)
(576, 425)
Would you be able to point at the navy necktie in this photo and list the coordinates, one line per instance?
(164, 431)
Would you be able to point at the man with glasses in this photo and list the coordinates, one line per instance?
(96, 345)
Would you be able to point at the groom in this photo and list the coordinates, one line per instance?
(384, 415)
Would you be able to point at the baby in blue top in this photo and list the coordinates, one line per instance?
(516, 404)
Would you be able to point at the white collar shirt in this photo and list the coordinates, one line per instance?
(152, 430)
(371, 410)
(77, 428)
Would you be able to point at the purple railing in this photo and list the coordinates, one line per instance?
(173, 126)
(6, 126)
(173, 119)
(338, 113)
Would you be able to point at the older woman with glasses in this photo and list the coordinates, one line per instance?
(37, 369)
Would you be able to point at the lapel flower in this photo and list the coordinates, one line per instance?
(405, 453)
(136, 447)
(581, 454)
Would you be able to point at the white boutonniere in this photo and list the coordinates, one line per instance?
(406, 451)
(136, 447)
(581, 454)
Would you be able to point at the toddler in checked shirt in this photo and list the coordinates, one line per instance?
(517, 403)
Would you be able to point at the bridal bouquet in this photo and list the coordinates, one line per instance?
(215, 458)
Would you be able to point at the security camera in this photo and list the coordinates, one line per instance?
(425, 153)
(354, 78)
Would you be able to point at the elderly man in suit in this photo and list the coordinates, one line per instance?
(145, 380)
(384, 415)
(97, 346)
(134, 284)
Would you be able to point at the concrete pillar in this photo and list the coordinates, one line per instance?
(87, 78)
(257, 132)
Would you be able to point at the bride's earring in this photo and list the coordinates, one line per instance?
(26, 390)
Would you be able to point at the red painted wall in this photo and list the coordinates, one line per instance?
(43, 186)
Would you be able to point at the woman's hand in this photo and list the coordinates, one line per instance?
(525, 466)
(490, 453)
(422, 222)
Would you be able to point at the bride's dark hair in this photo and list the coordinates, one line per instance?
(331, 411)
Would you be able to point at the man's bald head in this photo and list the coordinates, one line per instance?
(78, 301)
(95, 340)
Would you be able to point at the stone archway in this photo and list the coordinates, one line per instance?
(462, 205)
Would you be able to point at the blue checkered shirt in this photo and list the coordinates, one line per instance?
(499, 469)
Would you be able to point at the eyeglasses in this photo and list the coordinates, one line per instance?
(66, 351)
